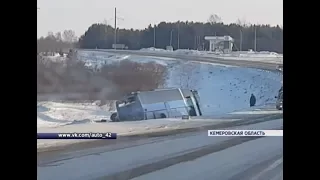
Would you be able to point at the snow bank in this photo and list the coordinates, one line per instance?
(187, 51)
(97, 59)
(54, 114)
(154, 49)
(237, 55)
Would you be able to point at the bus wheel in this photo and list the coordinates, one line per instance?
(114, 117)
(162, 115)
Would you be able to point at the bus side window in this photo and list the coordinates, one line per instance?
(131, 99)
(189, 101)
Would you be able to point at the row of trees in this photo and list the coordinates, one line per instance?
(185, 35)
(57, 42)
(181, 35)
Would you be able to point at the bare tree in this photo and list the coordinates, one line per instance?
(242, 22)
(105, 22)
(214, 19)
(69, 36)
(58, 36)
(50, 35)
(53, 42)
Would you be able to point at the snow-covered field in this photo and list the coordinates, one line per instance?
(223, 90)
(96, 59)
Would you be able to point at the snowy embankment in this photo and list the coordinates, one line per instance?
(223, 91)
(96, 59)
(69, 117)
(264, 56)
(56, 57)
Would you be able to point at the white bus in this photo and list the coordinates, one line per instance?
(159, 103)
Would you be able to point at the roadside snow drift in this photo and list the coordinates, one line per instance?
(96, 59)
(264, 56)
(53, 114)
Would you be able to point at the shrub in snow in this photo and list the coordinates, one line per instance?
(111, 81)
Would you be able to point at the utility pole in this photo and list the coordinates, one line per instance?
(240, 40)
(115, 28)
(154, 36)
(171, 37)
(197, 43)
(255, 39)
(178, 35)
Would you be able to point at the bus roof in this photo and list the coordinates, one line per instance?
(165, 95)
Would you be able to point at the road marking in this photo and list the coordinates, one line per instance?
(272, 166)
(155, 166)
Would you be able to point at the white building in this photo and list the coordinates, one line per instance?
(220, 43)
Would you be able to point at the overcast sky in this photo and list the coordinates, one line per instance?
(78, 15)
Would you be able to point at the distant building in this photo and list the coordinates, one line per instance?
(119, 46)
(169, 48)
(220, 43)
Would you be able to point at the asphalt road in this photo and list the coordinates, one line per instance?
(193, 155)
(259, 159)
(250, 64)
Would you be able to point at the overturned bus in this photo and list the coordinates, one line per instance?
(156, 104)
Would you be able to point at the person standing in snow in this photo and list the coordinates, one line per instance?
(252, 100)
